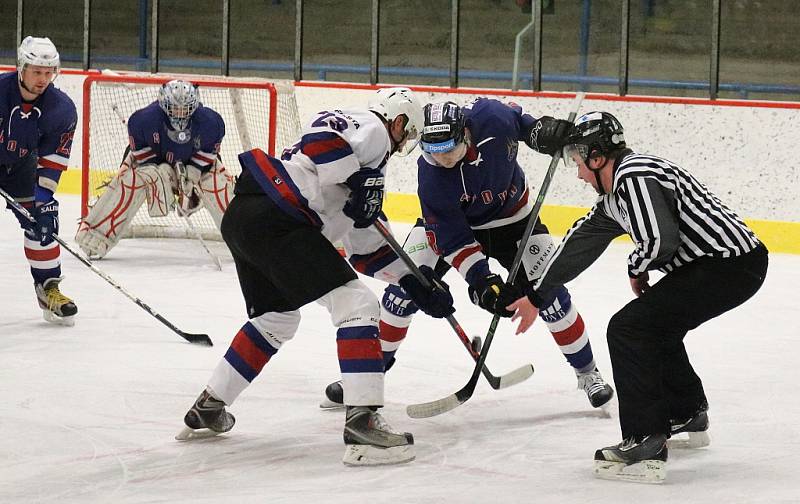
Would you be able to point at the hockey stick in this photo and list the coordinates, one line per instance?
(433, 408)
(497, 382)
(181, 168)
(200, 339)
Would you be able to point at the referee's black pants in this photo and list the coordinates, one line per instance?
(652, 373)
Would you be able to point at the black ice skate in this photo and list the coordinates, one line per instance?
(695, 426)
(334, 396)
(597, 390)
(370, 440)
(56, 307)
(206, 418)
(639, 459)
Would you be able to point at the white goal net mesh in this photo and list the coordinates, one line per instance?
(253, 111)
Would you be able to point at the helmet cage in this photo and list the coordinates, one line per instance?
(179, 99)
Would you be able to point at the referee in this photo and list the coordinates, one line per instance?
(712, 263)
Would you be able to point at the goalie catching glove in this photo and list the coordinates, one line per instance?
(366, 196)
(434, 300)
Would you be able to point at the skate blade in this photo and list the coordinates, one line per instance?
(327, 404)
(189, 434)
(646, 471)
(55, 319)
(695, 440)
(369, 455)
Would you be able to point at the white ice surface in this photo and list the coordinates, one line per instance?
(88, 413)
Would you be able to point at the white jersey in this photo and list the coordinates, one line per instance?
(333, 146)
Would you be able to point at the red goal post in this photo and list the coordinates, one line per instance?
(257, 113)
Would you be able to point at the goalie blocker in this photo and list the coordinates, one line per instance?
(159, 184)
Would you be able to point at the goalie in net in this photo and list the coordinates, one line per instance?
(172, 162)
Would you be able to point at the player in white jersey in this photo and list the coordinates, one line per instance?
(281, 226)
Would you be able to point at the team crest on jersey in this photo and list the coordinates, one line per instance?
(512, 148)
(179, 137)
(277, 180)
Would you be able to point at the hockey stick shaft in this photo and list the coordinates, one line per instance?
(201, 339)
(446, 404)
(496, 382)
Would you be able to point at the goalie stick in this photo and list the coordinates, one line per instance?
(497, 382)
(439, 406)
(199, 339)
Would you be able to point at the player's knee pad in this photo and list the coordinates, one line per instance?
(216, 191)
(352, 304)
(112, 214)
(556, 305)
(277, 327)
(160, 181)
(537, 253)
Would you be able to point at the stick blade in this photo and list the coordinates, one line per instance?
(197, 339)
(433, 408)
(516, 376)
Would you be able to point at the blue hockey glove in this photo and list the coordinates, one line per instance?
(46, 226)
(436, 300)
(366, 196)
(548, 135)
(493, 295)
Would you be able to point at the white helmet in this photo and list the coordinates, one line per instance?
(39, 51)
(392, 102)
(179, 99)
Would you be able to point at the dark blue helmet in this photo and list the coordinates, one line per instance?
(444, 127)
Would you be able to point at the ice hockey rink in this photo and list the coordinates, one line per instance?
(89, 413)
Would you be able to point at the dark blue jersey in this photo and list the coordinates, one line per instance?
(152, 140)
(485, 189)
(44, 127)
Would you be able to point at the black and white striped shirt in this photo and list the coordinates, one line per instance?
(671, 217)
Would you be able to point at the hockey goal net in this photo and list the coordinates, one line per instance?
(257, 113)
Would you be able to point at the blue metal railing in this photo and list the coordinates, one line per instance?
(322, 70)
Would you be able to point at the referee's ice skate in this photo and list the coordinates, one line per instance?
(696, 428)
(637, 459)
(370, 440)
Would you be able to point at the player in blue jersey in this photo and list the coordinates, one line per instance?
(172, 155)
(475, 204)
(37, 122)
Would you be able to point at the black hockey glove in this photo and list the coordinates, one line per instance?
(46, 226)
(548, 135)
(436, 300)
(493, 295)
(366, 196)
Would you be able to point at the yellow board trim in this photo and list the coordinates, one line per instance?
(778, 236)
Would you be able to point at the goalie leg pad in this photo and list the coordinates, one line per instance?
(160, 181)
(112, 214)
(216, 191)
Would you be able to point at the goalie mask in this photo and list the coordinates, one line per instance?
(392, 102)
(179, 99)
